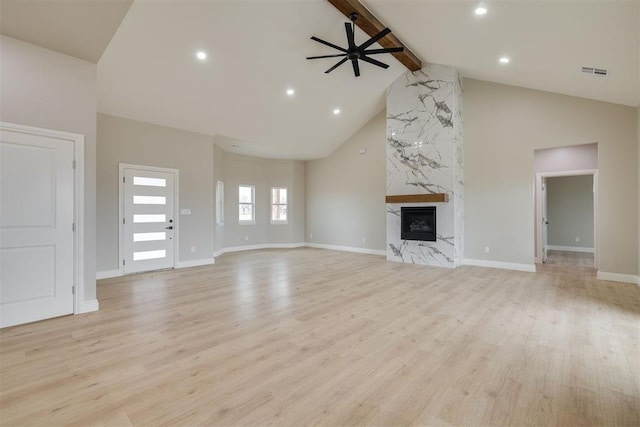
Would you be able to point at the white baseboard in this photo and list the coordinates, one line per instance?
(618, 277)
(88, 306)
(108, 274)
(180, 264)
(195, 263)
(347, 249)
(284, 245)
(260, 246)
(531, 268)
(218, 253)
(570, 249)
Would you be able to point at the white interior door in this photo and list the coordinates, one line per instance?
(36, 227)
(148, 224)
(545, 220)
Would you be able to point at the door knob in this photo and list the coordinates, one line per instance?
(169, 227)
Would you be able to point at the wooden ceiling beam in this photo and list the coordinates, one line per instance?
(368, 23)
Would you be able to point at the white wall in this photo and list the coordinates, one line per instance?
(503, 127)
(563, 159)
(201, 164)
(570, 211)
(263, 174)
(128, 141)
(346, 190)
(299, 197)
(46, 89)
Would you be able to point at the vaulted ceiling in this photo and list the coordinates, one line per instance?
(256, 51)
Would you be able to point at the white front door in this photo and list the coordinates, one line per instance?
(36, 227)
(148, 225)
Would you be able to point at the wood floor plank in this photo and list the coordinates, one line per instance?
(318, 337)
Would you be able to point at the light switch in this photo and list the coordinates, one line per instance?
(185, 211)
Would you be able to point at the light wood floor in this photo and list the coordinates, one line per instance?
(582, 259)
(311, 336)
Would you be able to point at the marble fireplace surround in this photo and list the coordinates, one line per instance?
(425, 162)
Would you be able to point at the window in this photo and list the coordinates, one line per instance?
(219, 203)
(278, 205)
(246, 205)
(149, 182)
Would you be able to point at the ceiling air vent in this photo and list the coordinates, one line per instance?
(596, 71)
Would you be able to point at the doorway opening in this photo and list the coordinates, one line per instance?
(566, 200)
(568, 219)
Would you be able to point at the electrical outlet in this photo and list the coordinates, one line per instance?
(246, 238)
(364, 240)
(193, 249)
(487, 249)
(310, 236)
(577, 239)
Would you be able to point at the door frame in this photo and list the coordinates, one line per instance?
(176, 221)
(538, 214)
(78, 204)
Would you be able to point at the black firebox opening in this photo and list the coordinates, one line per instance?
(418, 223)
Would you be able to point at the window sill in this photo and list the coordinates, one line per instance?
(252, 222)
(273, 221)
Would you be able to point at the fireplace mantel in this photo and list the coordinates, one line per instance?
(418, 198)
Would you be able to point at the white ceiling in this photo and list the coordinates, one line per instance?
(257, 49)
(548, 42)
(77, 28)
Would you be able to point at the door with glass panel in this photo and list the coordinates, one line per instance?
(148, 226)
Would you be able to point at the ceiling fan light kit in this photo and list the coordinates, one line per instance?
(354, 52)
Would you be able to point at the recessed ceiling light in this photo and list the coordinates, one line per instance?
(481, 11)
(201, 55)
(291, 92)
(504, 60)
(336, 111)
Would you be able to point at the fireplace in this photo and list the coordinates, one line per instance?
(418, 223)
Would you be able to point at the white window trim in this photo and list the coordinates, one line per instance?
(279, 221)
(220, 203)
(251, 221)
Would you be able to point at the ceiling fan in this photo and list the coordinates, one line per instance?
(355, 52)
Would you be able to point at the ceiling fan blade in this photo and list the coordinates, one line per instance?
(387, 50)
(374, 39)
(356, 67)
(350, 38)
(374, 62)
(328, 44)
(342, 61)
(326, 56)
